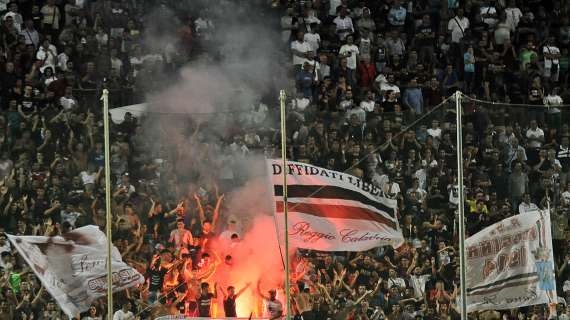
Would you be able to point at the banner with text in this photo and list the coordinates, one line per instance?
(510, 264)
(73, 267)
(331, 210)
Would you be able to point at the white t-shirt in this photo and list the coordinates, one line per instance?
(396, 282)
(67, 103)
(136, 63)
(436, 133)
(70, 217)
(48, 56)
(379, 180)
(565, 198)
(523, 207)
(32, 37)
(385, 87)
(513, 17)
(286, 26)
(344, 24)
(333, 5)
(121, 315)
(550, 50)
(457, 27)
(116, 64)
(351, 59)
(553, 100)
(88, 178)
(302, 47)
(535, 134)
(502, 33)
(300, 104)
(391, 190)
(314, 40)
(367, 106)
(419, 284)
(62, 59)
(102, 39)
(489, 10)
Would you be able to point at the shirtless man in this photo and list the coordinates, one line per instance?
(274, 306)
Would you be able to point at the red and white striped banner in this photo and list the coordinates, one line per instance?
(331, 210)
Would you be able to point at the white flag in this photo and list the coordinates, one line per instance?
(510, 264)
(73, 267)
(331, 210)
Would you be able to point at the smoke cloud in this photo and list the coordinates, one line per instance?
(230, 87)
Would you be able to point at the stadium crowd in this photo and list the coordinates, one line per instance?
(371, 82)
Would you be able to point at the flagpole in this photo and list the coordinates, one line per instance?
(109, 216)
(285, 205)
(461, 206)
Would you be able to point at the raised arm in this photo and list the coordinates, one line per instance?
(243, 289)
(151, 210)
(215, 294)
(174, 211)
(217, 211)
(7, 207)
(377, 287)
(200, 208)
(412, 265)
(38, 296)
(224, 293)
(259, 291)
(326, 293)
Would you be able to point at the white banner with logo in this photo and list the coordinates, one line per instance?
(331, 210)
(73, 267)
(510, 264)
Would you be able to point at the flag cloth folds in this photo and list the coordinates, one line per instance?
(510, 264)
(73, 267)
(331, 210)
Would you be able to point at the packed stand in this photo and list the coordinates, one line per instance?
(363, 71)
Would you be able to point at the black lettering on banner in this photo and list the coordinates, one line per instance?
(314, 171)
(276, 169)
(495, 299)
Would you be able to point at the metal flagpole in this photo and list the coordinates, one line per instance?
(285, 208)
(109, 216)
(461, 206)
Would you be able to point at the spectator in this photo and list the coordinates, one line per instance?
(457, 26)
(551, 60)
(518, 185)
(350, 51)
(343, 24)
(300, 49)
(124, 313)
(526, 204)
(397, 15)
(413, 97)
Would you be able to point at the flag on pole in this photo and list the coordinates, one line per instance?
(72, 267)
(331, 210)
(510, 264)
